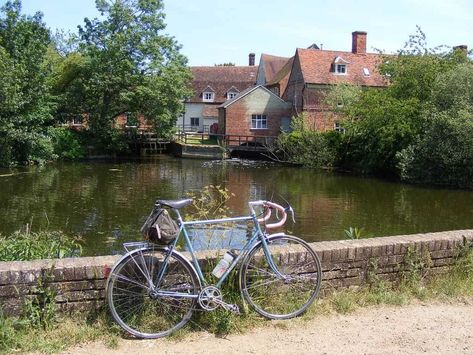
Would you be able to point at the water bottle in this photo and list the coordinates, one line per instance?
(223, 265)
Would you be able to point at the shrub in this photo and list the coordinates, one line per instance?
(443, 154)
(68, 144)
(41, 245)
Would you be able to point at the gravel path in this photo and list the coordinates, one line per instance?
(433, 328)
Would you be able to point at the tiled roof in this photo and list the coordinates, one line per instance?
(316, 67)
(221, 79)
(272, 65)
(282, 77)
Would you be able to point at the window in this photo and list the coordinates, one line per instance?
(231, 95)
(338, 127)
(340, 68)
(275, 90)
(208, 96)
(259, 122)
(194, 121)
(366, 72)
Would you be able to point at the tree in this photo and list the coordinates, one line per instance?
(126, 65)
(26, 101)
(442, 153)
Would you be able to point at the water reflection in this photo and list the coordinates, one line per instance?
(106, 202)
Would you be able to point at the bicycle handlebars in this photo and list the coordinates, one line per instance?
(270, 206)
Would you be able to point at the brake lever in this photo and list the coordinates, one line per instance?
(291, 211)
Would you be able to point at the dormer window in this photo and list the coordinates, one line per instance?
(232, 93)
(340, 66)
(208, 95)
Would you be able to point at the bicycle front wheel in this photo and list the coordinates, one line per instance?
(291, 290)
(140, 308)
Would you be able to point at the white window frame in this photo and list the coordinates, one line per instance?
(231, 95)
(338, 69)
(208, 96)
(259, 121)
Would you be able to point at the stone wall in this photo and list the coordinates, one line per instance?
(80, 282)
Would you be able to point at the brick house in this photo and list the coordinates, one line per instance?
(255, 111)
(213, 85)
(314, 71)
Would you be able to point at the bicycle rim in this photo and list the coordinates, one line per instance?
(136, 309)
(277, 297)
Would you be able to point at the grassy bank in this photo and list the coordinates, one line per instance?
(53, 334)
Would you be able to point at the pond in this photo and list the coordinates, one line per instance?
(106, 202)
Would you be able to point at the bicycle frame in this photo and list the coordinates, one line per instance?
(257, 234)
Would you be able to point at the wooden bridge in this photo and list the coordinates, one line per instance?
(230, 142)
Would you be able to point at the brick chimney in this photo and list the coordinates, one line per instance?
(251, 59)
(358, 43)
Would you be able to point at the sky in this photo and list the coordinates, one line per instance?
(213, 32)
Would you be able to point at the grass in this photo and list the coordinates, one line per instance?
(198, 140)
(456, 285)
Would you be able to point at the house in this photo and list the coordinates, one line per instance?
(213, 86)
(268, 67)
(255, 111)
(314, 71)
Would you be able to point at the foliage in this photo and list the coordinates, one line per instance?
(354, 233)
(40, 307)
(125, 65)
(304, 147)
(443, 151)
(27, 102)
(413, 128)
(68, 144)
(381, 126)
(210, 202)
(38, 245)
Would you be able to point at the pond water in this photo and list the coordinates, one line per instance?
(106, 202)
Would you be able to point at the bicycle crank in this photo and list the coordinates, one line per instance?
(211, 297)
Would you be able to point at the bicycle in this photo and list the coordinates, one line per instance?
(153, 289)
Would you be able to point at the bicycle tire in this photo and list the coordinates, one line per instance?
(129, 293)
(272, 296)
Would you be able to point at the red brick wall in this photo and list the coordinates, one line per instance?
(236, 118)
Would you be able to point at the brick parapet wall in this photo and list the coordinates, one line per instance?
(80, 282)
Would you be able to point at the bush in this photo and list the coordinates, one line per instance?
(41, 245)
(305, 147)
(443, 155)
(68, 144)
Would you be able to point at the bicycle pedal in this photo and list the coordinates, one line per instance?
(233, 308)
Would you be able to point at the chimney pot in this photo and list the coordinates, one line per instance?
(358, 43)
(251, 59)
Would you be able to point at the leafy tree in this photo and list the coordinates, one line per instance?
(443, 151)
(125, 65)
(26, 101)
(383, 122)
(303, 146)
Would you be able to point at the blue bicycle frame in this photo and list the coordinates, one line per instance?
(257, 234)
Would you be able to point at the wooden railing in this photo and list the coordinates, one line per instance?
(227, 140)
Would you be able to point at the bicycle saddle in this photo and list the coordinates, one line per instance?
(175, 203)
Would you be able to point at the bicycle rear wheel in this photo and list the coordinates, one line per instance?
(286, 295)
(137, 306)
